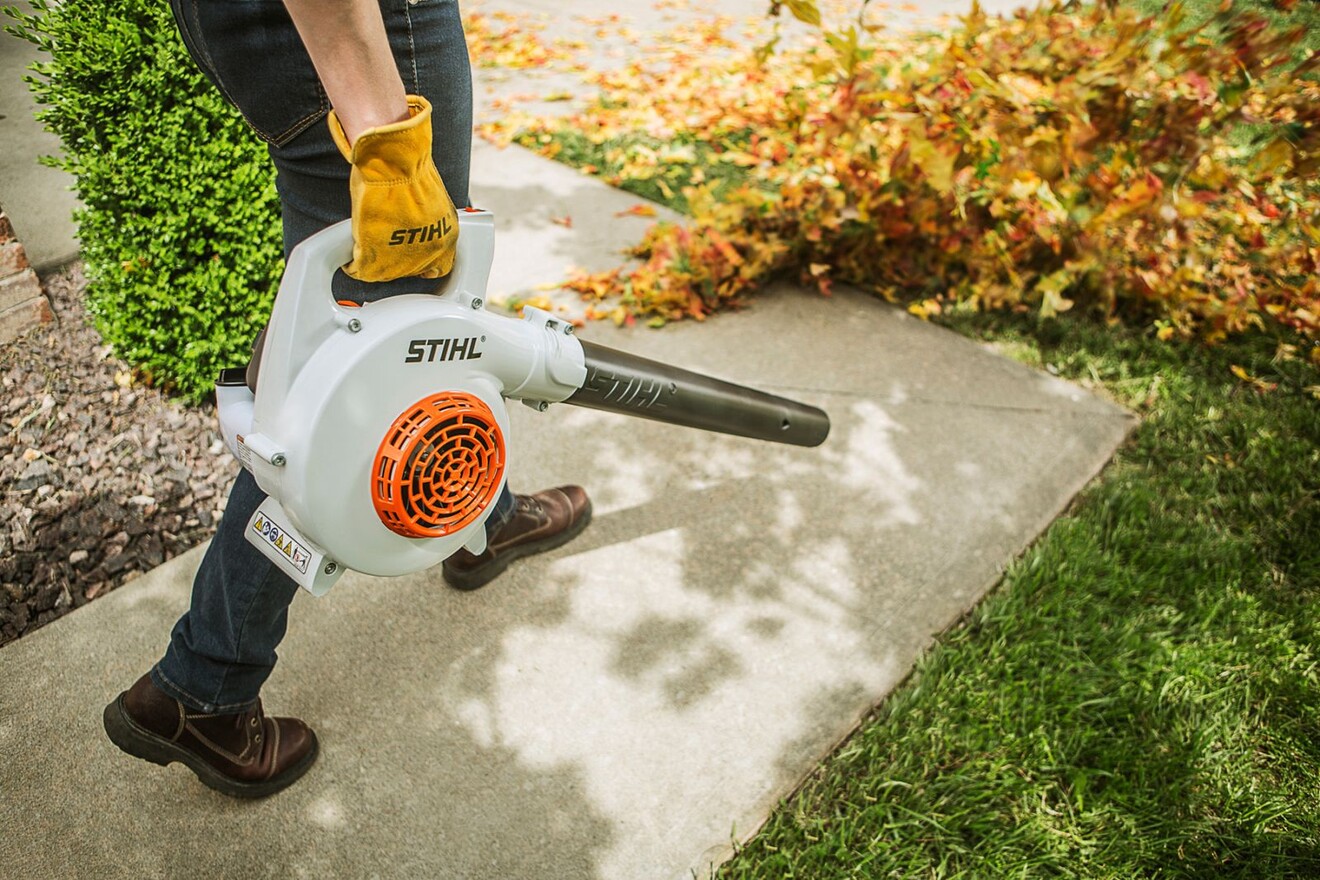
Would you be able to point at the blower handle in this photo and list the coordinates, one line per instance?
(305, 313)
(625, 383)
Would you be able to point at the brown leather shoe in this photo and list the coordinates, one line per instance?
(540, 522)
(243, 755)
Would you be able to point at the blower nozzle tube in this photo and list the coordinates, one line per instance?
(625, 383)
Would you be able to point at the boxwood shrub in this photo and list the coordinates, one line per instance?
(180, 229)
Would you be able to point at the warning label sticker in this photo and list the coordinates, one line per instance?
(297, 555)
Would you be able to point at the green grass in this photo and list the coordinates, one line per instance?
(669, 178)
(1141, 695)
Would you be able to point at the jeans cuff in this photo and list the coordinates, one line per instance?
(503, 511)
(160, 680)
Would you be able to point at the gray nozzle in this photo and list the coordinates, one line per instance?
(635, 386)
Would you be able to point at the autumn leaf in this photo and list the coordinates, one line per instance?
(803, 10)
(740, 158)
(637, 210)
(925, 309)
(1051, 289)
(517, 304)
(1259, 384)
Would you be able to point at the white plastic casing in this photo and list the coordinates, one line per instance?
(334, 379)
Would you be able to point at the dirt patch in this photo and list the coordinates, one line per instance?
(101, 478)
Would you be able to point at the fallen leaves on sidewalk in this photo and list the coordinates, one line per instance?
(1065, 157)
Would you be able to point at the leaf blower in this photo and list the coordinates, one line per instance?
(379, 432)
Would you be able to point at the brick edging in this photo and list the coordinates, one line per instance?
(22, 304)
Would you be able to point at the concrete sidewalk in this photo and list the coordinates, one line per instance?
(626, 706)
(39, 200)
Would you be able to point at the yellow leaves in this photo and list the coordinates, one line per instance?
(1042, 135)
(1137, 195)
(925, 309)
(935, 163)
(1051, 288)
(1274, 157)
(849, 49)
(740, 158)
(1024, 186)
(1189, 209)
(1260, 385)
(803, 10)
(1022, 90)
(507, 40)
(516, 304)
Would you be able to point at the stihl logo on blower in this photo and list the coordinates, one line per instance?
(387, 470)
(431, 350)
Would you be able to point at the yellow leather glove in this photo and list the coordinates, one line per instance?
(404, 223)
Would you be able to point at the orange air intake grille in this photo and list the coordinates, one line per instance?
(438, 467)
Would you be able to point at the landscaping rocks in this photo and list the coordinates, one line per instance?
(101, 478)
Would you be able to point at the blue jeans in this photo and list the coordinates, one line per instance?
(222, 650)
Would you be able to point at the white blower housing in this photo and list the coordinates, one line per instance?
(379, 432)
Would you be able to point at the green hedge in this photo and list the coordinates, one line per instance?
(180, 231)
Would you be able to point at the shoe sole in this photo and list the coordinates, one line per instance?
(134, 739)
(479, 577)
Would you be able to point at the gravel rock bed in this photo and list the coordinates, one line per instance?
(101, 478)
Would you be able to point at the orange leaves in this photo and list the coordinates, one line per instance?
(506, 40)
(732, 257)
(637, 210)
(594, 286)
(1064, 159)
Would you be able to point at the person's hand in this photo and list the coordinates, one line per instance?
(404, 223)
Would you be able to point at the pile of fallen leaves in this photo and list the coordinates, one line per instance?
(511, 41)
(1153, 171)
